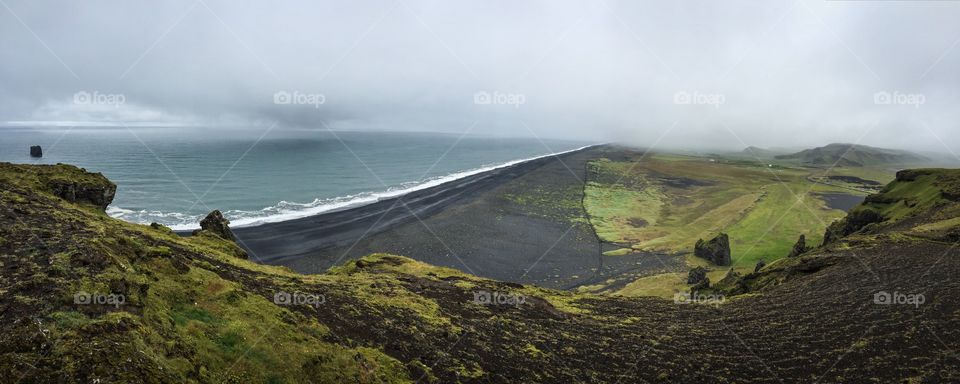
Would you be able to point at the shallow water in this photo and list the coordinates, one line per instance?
(841, 201)
(175, 176)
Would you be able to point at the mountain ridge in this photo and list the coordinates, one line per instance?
(856, 155)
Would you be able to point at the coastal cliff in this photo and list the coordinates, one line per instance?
(88, 298)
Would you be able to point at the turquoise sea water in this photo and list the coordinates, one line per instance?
(176, 176)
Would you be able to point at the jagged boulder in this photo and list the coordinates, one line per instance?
(216, 224)
(36, 151)
(696, 275)
(856, 219)
(717, 250)
(702, 285)
(799, 248)
(761, 263)
(730, 278)
(218, 227)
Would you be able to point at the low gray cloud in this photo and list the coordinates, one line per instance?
(701, 74)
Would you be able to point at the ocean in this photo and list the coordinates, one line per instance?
(175, 176)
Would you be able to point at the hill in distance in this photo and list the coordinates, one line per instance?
(854, 155)
(762, 153)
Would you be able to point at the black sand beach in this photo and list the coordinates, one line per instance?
(524, 223)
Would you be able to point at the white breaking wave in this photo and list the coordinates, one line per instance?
(285, 210)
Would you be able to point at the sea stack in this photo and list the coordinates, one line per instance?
(36, 151)
(717, 250)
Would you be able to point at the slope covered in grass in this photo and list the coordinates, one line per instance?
(664, 203)
(191, 311)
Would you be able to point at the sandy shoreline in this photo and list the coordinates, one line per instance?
(479, 224)
(276, 241)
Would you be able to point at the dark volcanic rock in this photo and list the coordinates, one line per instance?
(99, 192)
(703, 284)
(730, 279)
(717, 250)
(217, 224)
(799, 248)
(761, 264)
(856, 219)
(36, 151)
(696, 275)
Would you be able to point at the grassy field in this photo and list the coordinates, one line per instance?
(665, 203)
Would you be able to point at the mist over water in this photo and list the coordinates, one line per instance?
(176, 176)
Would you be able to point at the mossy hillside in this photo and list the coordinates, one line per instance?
(193, 312)
(65, 181)
(192, 307)
(920, 202)
(917, 205)
(180, 320)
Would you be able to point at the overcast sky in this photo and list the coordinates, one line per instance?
(672, 73)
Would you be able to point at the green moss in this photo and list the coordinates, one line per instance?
(532, 351)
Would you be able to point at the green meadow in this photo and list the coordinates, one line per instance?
(665, 202)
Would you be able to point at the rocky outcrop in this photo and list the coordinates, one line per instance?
(696, 275)
(216, 224)
(36, 151)
(100, 195)
(702, 285)
(76, 185)
(730, 279)
(799, 248)
(856, 219)
(760, 265)
(717, 250)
